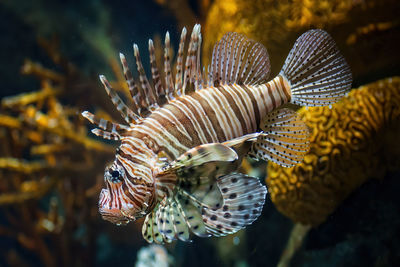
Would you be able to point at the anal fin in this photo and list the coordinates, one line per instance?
(284, 140)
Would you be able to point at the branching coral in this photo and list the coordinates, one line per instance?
(354, 141)
(49, 170)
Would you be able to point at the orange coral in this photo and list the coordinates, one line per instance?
(366, 33)
(350, 143)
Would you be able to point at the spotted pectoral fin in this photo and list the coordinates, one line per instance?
(243, 199)
(284, 140)
(243, 196)
(172, 219)
(198, 169)
(150, 229)
(166, 223)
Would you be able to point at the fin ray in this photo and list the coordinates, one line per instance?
(107, 129)
(155, 76)
(284, 140)
(244, 198)
(237, 59)
(317, 73)
(127, 114)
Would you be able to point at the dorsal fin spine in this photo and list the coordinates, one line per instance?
(188, 64)
(106, 135)
(191, 68)
(150, 96)
(127, 114)
(169, 82)
(223, 64)
(179, 62)
(108, 129)
(199, 76)
(155, 74)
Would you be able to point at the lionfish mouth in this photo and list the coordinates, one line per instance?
(113, 215)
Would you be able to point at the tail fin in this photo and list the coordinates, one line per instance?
(317, 73)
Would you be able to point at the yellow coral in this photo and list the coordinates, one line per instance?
(46, 148)
(359, 28)
(350, 143)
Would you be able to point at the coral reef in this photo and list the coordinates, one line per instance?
(351, 142)
(366, 31)
(49, 170)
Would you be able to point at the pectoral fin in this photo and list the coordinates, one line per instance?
(204, 154)
(196, 171)
(207, 198)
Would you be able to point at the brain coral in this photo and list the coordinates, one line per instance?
(354, 141)
(365, 31)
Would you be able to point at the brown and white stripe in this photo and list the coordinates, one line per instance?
(215, 114)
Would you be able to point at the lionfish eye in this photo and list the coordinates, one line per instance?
(115, 176)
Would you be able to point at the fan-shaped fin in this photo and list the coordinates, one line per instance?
(180, 226)
(164, 221)
(244, 197)
(147, 228)
(191, 211)
(237, 59)
(170, 223)
(150, 230)
(284, 140)
(317, 72)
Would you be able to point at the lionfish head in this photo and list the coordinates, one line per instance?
(125, 198)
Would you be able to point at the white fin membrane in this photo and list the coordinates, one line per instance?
(244, 198)
(238, 59)
(317, 73)
(284, 140)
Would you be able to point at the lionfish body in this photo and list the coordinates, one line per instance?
(186, 135)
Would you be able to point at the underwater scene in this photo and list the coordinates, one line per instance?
(200, 133)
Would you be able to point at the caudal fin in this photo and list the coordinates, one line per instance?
(317, 73)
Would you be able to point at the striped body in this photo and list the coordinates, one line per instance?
(211, 115)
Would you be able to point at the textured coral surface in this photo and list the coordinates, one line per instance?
(354, 141)
(367, 32)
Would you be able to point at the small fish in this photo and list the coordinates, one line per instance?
(186, 133)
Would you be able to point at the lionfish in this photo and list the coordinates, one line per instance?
(186, 134)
